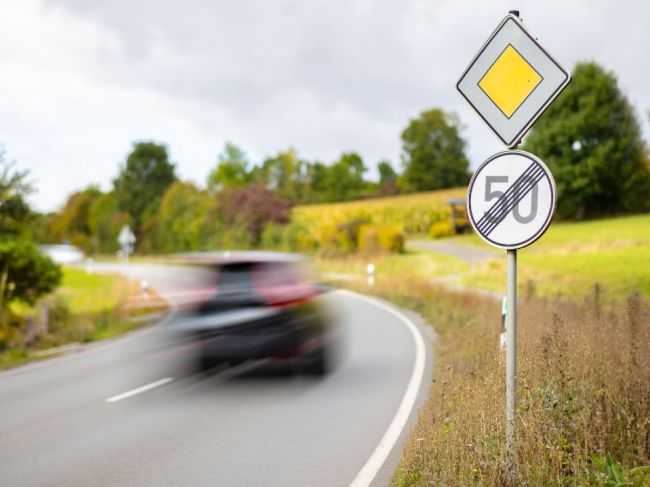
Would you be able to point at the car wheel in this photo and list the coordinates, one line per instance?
(205, 363)
(317, 364)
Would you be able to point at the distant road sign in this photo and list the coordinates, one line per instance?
(511, 81)
(511, 199)
(126, 236)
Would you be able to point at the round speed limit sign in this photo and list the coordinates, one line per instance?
(511, 199)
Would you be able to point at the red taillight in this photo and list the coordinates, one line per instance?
(286, 296)
(279, 285)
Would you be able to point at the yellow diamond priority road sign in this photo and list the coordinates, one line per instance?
(511, 81)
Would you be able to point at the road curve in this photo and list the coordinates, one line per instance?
(471, 255)
(122, 413)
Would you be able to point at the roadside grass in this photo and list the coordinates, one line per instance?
(583, 371)
(87, 307)
(92, 293)
(12, 358)
(413, 262)
(583, 390)
(571, 257)
(583, 393)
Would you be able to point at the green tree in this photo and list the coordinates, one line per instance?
(433, 153)
(315, 183)
(105, 221)
(142, 181)
(386, 172)
(344, 179)
(591, 140)
(16, 217)
(387, 179)
(181, 222)
(284, 174)
(232, 169)
(72, 222)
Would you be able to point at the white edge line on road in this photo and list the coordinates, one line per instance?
(144, 388)
(368, 472)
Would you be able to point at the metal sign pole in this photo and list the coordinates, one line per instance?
(509, 68)
(511, 361)
(511, 355)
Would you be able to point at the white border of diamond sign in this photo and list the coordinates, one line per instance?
(554, 79)
(511, 199)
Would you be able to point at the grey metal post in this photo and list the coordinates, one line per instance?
(511, 361)
(511, 353)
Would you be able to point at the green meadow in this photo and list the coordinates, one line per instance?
(572, 257)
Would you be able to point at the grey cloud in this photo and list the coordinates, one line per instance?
(331, 75)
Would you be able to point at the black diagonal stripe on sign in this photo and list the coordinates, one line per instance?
(496, 212)
(521, 190)
(523, 185)
(508, 200)
(496, 207)
(531, 182)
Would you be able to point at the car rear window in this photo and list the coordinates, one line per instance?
(235, 278)
(273, 275)
(274, 282)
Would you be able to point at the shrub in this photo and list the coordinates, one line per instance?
(297, 238)
(348, 233)
(251, 208)
(179, 224)
(237, 237)
(25, 273)
(343, 238)
(441, 229)
(604, 471)
(272, 237)
(380, 239)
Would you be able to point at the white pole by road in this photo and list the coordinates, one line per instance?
(511, 361)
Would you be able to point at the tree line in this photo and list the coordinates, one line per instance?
(240, 197)
(590, 138)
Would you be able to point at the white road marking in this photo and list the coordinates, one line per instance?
(368, 472)
(144, 388)
(102, 346)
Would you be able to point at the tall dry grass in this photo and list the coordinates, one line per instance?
(583, 391)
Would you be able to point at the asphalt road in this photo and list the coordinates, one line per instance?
(471, 255)
(125, 413)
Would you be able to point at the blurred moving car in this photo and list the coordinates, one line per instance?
(262, 306)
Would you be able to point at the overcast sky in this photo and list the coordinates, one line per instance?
(81, 80)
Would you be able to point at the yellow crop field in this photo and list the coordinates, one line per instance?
(415, 213)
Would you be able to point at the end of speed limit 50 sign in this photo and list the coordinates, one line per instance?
(511, 199)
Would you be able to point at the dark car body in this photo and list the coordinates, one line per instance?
(262, 306)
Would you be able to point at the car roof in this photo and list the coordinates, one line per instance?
(238, 257)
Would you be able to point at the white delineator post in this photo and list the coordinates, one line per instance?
(511, 361)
